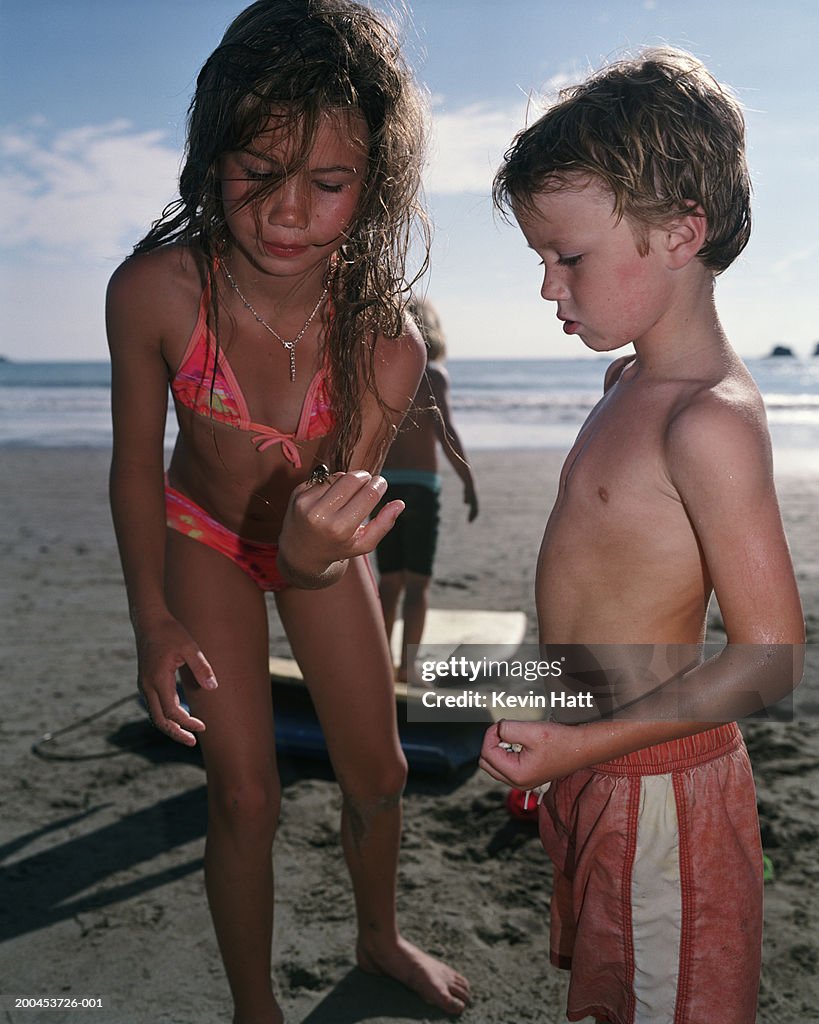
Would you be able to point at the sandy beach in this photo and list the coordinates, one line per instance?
(102, 850)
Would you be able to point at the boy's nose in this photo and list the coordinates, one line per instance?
(553, 287)
(289, 205)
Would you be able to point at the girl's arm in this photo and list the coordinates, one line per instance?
(327, 524)
(139, 294)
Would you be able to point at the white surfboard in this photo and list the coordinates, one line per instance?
(452, 627)
(434, 747)
(447, 629)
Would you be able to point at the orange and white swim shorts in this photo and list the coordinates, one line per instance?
(657, 901)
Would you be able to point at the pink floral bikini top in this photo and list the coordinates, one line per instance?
(219, 396)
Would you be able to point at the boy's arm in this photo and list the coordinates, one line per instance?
(327, 524)
(448, 436)
(719, 462)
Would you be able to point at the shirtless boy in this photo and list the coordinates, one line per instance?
(405, 556)
(634, 192)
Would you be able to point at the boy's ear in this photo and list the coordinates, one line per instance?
(685, 236)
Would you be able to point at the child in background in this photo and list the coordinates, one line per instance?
(405, 556)
(633, 191)
(270, 298)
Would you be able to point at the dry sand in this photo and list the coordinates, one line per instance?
(102, 856)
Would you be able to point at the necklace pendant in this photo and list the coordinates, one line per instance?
(289, 345)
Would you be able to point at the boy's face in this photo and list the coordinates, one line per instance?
(606, 292)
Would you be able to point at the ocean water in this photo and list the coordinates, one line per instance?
(543, 403)
(497, 404)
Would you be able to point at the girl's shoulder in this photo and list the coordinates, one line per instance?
(153, 303)
(169, 267)
(387, 347)
(407, 348)
(399, 363)
(160, 285)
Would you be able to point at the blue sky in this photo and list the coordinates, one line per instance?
(93, 95)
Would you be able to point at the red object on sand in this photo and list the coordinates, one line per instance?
(515, 800)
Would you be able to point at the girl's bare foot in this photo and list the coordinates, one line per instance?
(433, 980)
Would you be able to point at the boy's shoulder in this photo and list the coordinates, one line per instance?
(719, 429)
(729, 397)
(614, 370)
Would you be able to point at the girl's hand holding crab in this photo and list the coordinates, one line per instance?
(326, 524)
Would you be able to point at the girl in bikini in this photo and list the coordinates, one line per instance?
(270, 297)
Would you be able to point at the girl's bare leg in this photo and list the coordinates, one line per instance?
(225, 612)
(338, 639)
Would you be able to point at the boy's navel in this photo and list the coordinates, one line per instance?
(604, 494)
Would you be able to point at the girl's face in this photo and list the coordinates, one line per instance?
(295, 227)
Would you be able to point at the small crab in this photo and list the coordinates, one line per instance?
(320, 475)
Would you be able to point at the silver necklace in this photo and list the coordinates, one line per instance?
(289, 345)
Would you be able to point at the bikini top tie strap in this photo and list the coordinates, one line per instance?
(268, 436)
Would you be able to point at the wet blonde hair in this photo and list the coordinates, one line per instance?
(660, 133)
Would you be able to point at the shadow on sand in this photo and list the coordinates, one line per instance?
(71, 877)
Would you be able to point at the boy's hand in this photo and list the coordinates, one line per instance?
(548, 751)
(326, 523)
(161, 651)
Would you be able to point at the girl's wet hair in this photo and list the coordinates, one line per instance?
(283, 64)
(660, 133)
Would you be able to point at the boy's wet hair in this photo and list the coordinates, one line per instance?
(283, 65)
(658, 131)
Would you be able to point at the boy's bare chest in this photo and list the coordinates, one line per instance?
(619, 549)
(614, 486)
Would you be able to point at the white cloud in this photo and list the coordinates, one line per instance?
(467, 145)
(85, 194)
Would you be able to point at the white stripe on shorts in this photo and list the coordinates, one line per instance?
(656, 901)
